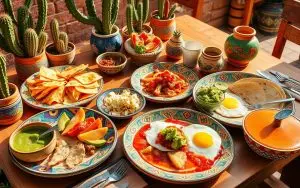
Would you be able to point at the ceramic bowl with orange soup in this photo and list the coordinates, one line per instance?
(269, 141)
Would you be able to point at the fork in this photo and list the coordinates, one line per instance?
(256, 106)
(283, 79)
(116, 173)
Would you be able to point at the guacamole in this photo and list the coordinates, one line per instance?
(173, 135)
(210, 95)
(23, 141)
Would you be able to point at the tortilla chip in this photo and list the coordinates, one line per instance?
(67, 99)
(69, 73)
(35, 92)
(47, 74)
(56, 96)
(86, 90)
(34, 81)
(88, 78)
(84, 96)
(73, 93)
(44, 93)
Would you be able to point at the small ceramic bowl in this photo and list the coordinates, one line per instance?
(103, 109)
(112, 69)
(142, 59)
(35, 156)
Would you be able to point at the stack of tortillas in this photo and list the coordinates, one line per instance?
(73, 84)
(258, 90)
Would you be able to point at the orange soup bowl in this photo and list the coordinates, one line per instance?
(269, 141)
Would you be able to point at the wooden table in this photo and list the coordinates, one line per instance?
(247, 167)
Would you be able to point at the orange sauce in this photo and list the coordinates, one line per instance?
(258, 125)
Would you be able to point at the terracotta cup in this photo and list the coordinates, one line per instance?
(61, 59)
(162, 28)
(211, 60)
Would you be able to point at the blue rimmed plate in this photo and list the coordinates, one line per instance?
(59, 171)
(104, 110)
(187, 115)
(190, 76)
(32, 102)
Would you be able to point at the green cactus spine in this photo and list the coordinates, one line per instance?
(61, 47)
(145, 10)
(161, 4)
(106, 16)
(90, 7)
(140, 14)
(64, 37)
(43, 37)
(129, 18)
(42, 16)
(172, 11)
(136, 15)
(114, 11)
(4, 90)
(31, 42)
(54, 28)
(23, 18)
(8, 32)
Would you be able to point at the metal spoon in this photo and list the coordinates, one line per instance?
(36, 137)
(256, 106)
(281, 115)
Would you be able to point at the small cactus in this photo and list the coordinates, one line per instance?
(136, 15)
(4, 90)
(60, 39)
(177, 33)
(164, 11)
(31, 42)
(43, 38)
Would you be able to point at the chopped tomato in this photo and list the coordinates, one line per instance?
(81, 126)
(134, 39)
(144, 36)
(156, 40)
(150, 47)
(95, 125)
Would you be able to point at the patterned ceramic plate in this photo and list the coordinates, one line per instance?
(101, 154)
(187, 115)
(190, 76)
(30, 101)
(228, 77)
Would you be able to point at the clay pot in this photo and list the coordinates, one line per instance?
(11, 108)
(27, 66)
(162, 28)
(211, 60)
(146, 28)
(60, 59)
(174, 48)
(242, 46)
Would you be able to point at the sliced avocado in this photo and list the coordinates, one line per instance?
(221, 85)
(63, 121)
(97, 143)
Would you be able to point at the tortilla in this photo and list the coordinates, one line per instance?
(61, 152)
(88, 78)
(86, 90)
(56, 96)
(35, 92)
(76, 156)
(71, 72)
(73, 83)
(44, 93)
(73, 93)
(47, 74)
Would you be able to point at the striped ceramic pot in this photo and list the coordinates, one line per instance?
(162, 28)
(211, 60)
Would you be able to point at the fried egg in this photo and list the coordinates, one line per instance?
(152, 133)
(202, 140)
(232, 107)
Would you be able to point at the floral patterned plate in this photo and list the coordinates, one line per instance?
(59, 171)
(190, 76)
(187, 115)
(228, 77)
(32, 102)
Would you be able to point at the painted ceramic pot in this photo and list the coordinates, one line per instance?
(162, 28)
(60, 59)
(27, 66)
(106, 43)
(11, 108)
(242, 46)
(211, 60)
(268, 17)
(125, 35)
(174, 48)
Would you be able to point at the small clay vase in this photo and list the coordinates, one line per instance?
(211, 60)
(174, 46)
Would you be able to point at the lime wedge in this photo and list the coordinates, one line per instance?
(97, 143)
(221, 85)
(63, 121)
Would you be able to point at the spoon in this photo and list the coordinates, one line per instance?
(281, 115)
(260, 105)
(36, 137)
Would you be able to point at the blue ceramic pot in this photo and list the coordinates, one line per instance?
(106, 43)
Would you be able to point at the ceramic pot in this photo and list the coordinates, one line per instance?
(27, 66)
(60, 59)
(125, 36)
(11, 108)
(211, 60)
(268, 17)
(242, 46)
(112, 69)
(106, 43)
(174, 48)
(162, 28)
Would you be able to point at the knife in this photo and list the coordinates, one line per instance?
(288, 78)
(293, 92)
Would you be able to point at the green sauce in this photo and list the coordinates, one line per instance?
(23, 141)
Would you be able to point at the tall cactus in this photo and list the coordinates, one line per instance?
(164, 11)
(4, 90)
(31, 42)
(42, 16)
(60, 39)
(110, 9)
(136, 15)
(23, 18)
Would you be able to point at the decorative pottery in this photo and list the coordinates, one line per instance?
(174, 46)
(142, 59)
(61, 59)
(262, 136)
(146, 28)
(187, 115)
(190, 76)
(242, 46)
(101, 154)
(191, 51)
(162, 28)
(32, 102)
(106, 43)
(103, 109)
(112, 69)
(38, 155)
(211, 60)
(236, 13)
(11, 108)
(228, 77)
(25, 67)
(268, 16)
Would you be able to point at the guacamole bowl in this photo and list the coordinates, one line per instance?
(25, 148)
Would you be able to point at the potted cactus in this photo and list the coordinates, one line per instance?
(11, 107)
(137, 13)
(105, 34)
(61, 51)
(26, 40)
(163, 20)
(174, 46)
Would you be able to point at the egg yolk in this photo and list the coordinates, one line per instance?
(203, 140)
(230, 103)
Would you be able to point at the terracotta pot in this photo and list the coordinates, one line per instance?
(162, 28)
(242, 46)
(174, 48)
(61, 59)
(11, 108)
(125, 36)
(27, 66)
(211, 60)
